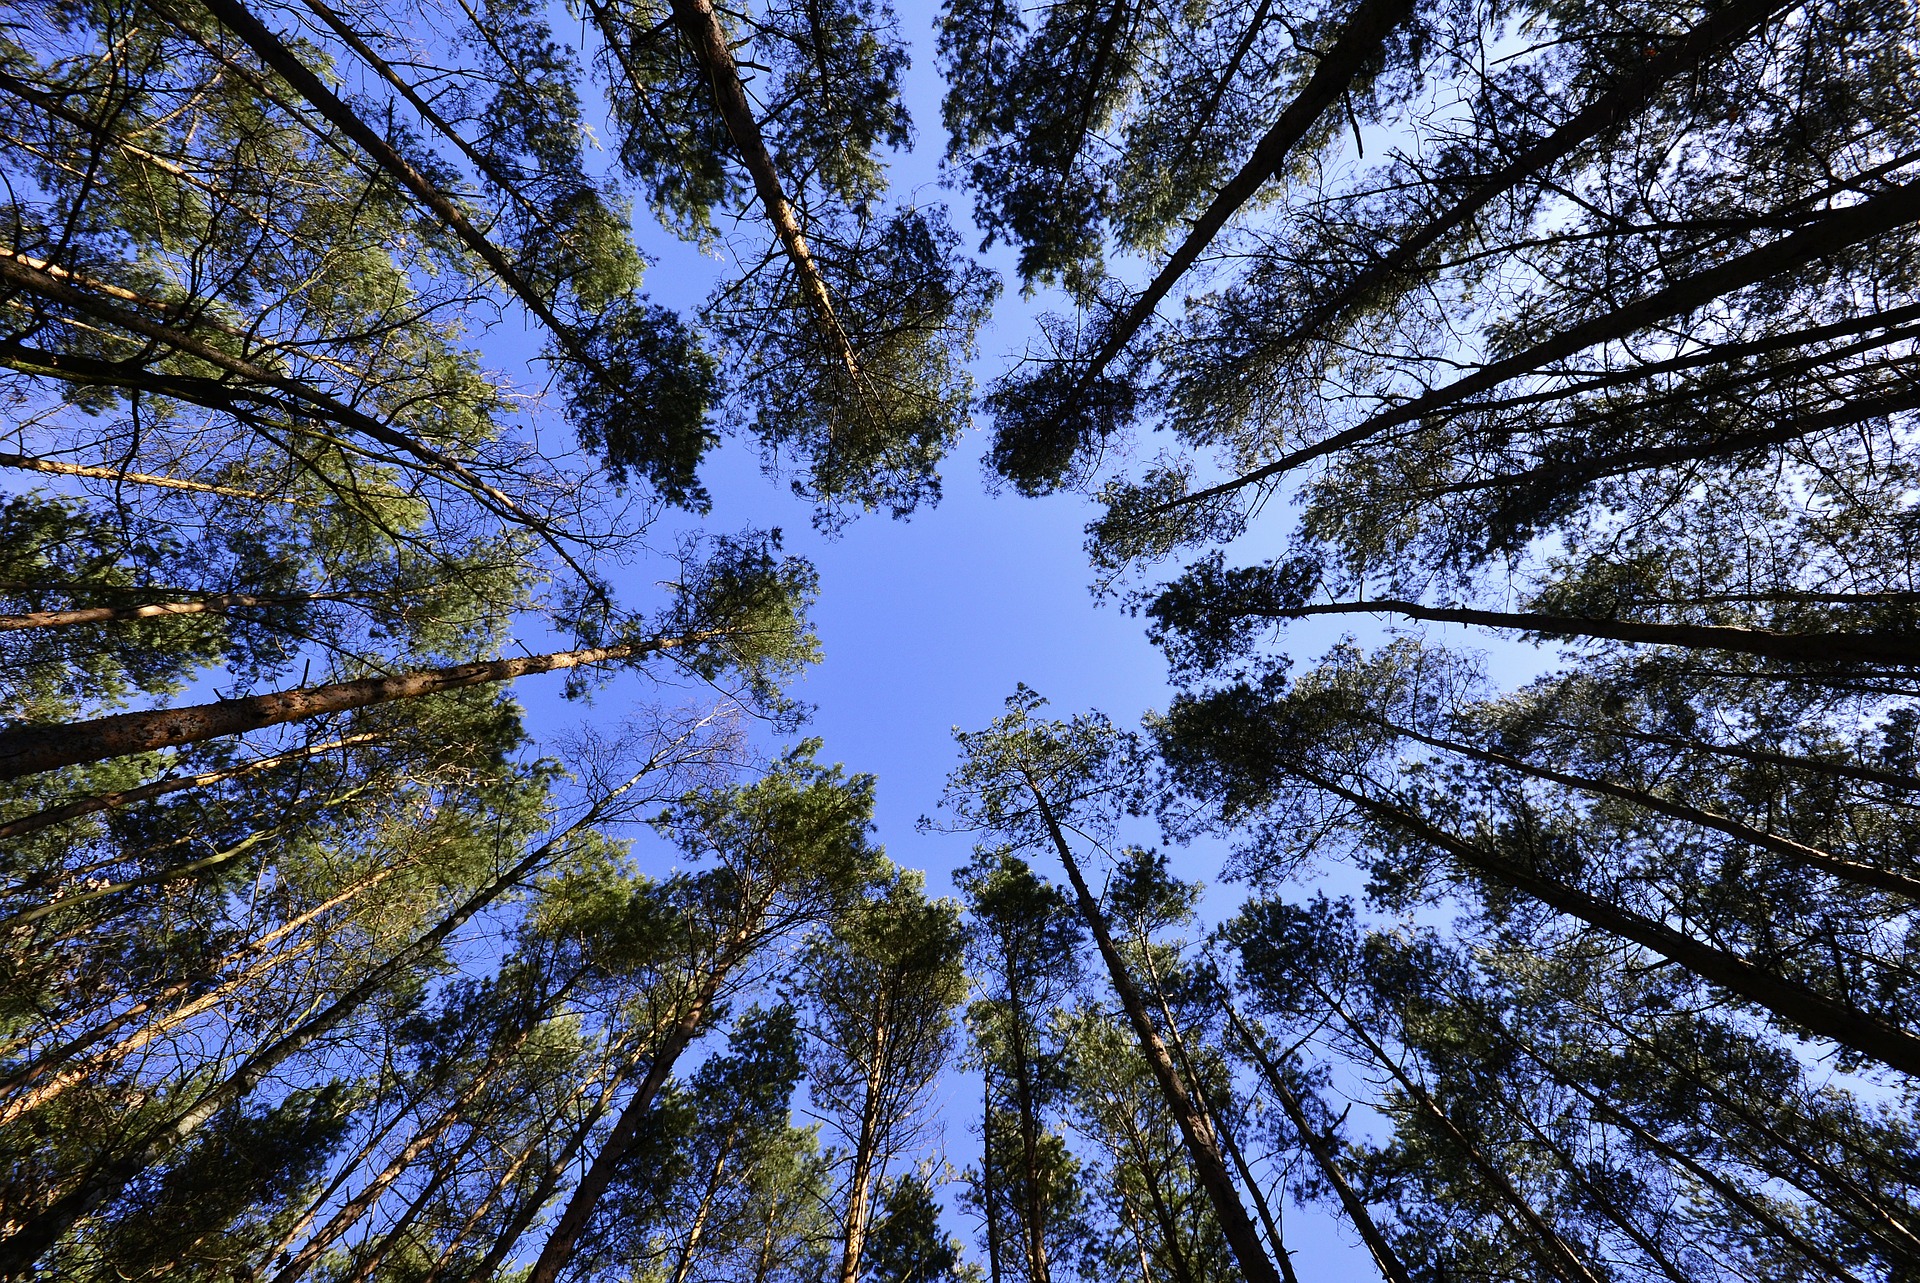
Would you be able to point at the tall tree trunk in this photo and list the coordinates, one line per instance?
(1796, 1004)
(565, 1236)
(27, 750)
(219, 604)
(1553, 1251)
(1036, 1211)
(1902, 650)
(989, 1195)
(1203, 1148)
(1837, 866)
(707, 41)
(107, 1179)
(160, 788)
(60, 468)
(684, 1265)
(1359, 40)
(866, 1156)
(1384, 1257)
(1841, 229)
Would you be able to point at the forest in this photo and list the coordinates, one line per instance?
(420, 860)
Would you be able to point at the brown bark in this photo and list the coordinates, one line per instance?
(1203, 1148)
(1359, 40)
(1804, 648)
(238, 19)
(28, 750)
(707, 41)
(1687, 1163)
(103, 1183)
(350, 1212)
(989, 1197)
(15, 272)
(565, 1236)
(866, 1157)
(1834, 232)
(1795, 1004)
(160, 788)
(1384, 1257)
(684, 1265)
(219, 604)
(58, 468)
(1853, 871)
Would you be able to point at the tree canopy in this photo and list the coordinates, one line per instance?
(1547, 370)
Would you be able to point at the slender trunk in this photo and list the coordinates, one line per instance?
(1384, 1257)
(1835, 231)
(174, 873)
(58, 468)
(1169, 1225)
(866, 1156)
(1554, 1251)
(1805, 648)
(1837, 866)
(1359, 41)
(1685, 1162)
(1626, 97)
(160, 788)
(989, 1197)
(1268, 1221)
(707, 41)
(1035, 1212)
(219, 604)
(1795, 1004)
(1132, 1219)
(593, 1185)
(1202, 1146)
(350, 1212)
(63, 1079)
(28, 750)
(238, 19)
(684, 1265)
(104, 1183)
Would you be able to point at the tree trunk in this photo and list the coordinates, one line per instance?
(1036, 1212)
(988, 1195)
(1835, 231)
(1554, 1252)
(1202, 1147)
(160, 788)
(28, 750)
(1836, 866)
(20, 1249)
(1795, 1004)
(707, 41)
(216, 605)
(61, 469)
(1384, 1256)
(1805, 648)
(593, 1185)
(1723, 29)
(1359, 40)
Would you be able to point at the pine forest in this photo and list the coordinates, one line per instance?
(459, 762)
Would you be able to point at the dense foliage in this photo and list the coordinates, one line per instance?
(334, 401)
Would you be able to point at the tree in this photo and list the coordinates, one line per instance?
(1029, 782)
(1024, 944)
(880, 990)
